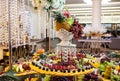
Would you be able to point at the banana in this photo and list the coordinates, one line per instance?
(27, 79)
(117, 67)
(21, 68)
(18, 69)
(34, 79)
(96, 65)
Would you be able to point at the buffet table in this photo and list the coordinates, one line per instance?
(94, 43)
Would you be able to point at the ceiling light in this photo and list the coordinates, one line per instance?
(90, 1)
(105, 1)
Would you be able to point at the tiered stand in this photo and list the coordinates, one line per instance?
(65, 46)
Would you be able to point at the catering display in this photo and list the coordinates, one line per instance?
(65, 63)
(82, 67)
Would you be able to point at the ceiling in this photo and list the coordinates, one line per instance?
(81, 10)
(74, 1)
(81, 1)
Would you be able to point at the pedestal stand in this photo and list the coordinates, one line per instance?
(65, 46)
(66, 50)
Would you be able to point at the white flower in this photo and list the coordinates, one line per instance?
(55, 3)
(87, 29)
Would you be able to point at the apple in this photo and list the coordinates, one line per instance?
(45, 65)
(119, 70)
(71, 67)
(56, 66)
(26, 66)
(2, 72)
(64, 68)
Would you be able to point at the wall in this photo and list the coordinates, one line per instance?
(34, 23)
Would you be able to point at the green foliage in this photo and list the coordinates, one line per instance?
(59, 17)
(8, 78)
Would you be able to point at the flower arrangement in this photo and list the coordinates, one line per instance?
(48, 4)
(36, 3)
(94, 32)
(54, 4)
(65, 21)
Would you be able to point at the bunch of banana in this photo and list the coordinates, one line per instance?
(6, 68)
(47, 77)
(52, 54)
(17, 68)
(107, 72)
(117, 67)
(80, 77)
(95, 64)
(35, 56)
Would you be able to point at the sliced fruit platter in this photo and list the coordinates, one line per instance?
(56, 72)
(108, 68)
(22, 69)
(55, 65)
(25, 73)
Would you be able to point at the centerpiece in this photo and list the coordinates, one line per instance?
(66, 26)
(66, 29)
(93, 32)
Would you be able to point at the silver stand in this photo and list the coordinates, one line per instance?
(9, 31)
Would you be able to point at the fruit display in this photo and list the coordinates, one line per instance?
(87, 67)
(108, 68)
(21, 67)
(115, 76)
(77, 67)
(65, 21)
(92, 77)
(60, 20)
(56, 68)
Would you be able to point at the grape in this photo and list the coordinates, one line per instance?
(76, 29)
(88, 76)
(56, 78)
(91, 76)
(85, 79)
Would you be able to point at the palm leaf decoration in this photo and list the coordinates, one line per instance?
(8, 78)
(59, 17)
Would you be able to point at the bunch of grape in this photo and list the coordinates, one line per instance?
(105, 59)
(70, 62)
(76, 29)
(91, 77)
(56, 78)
